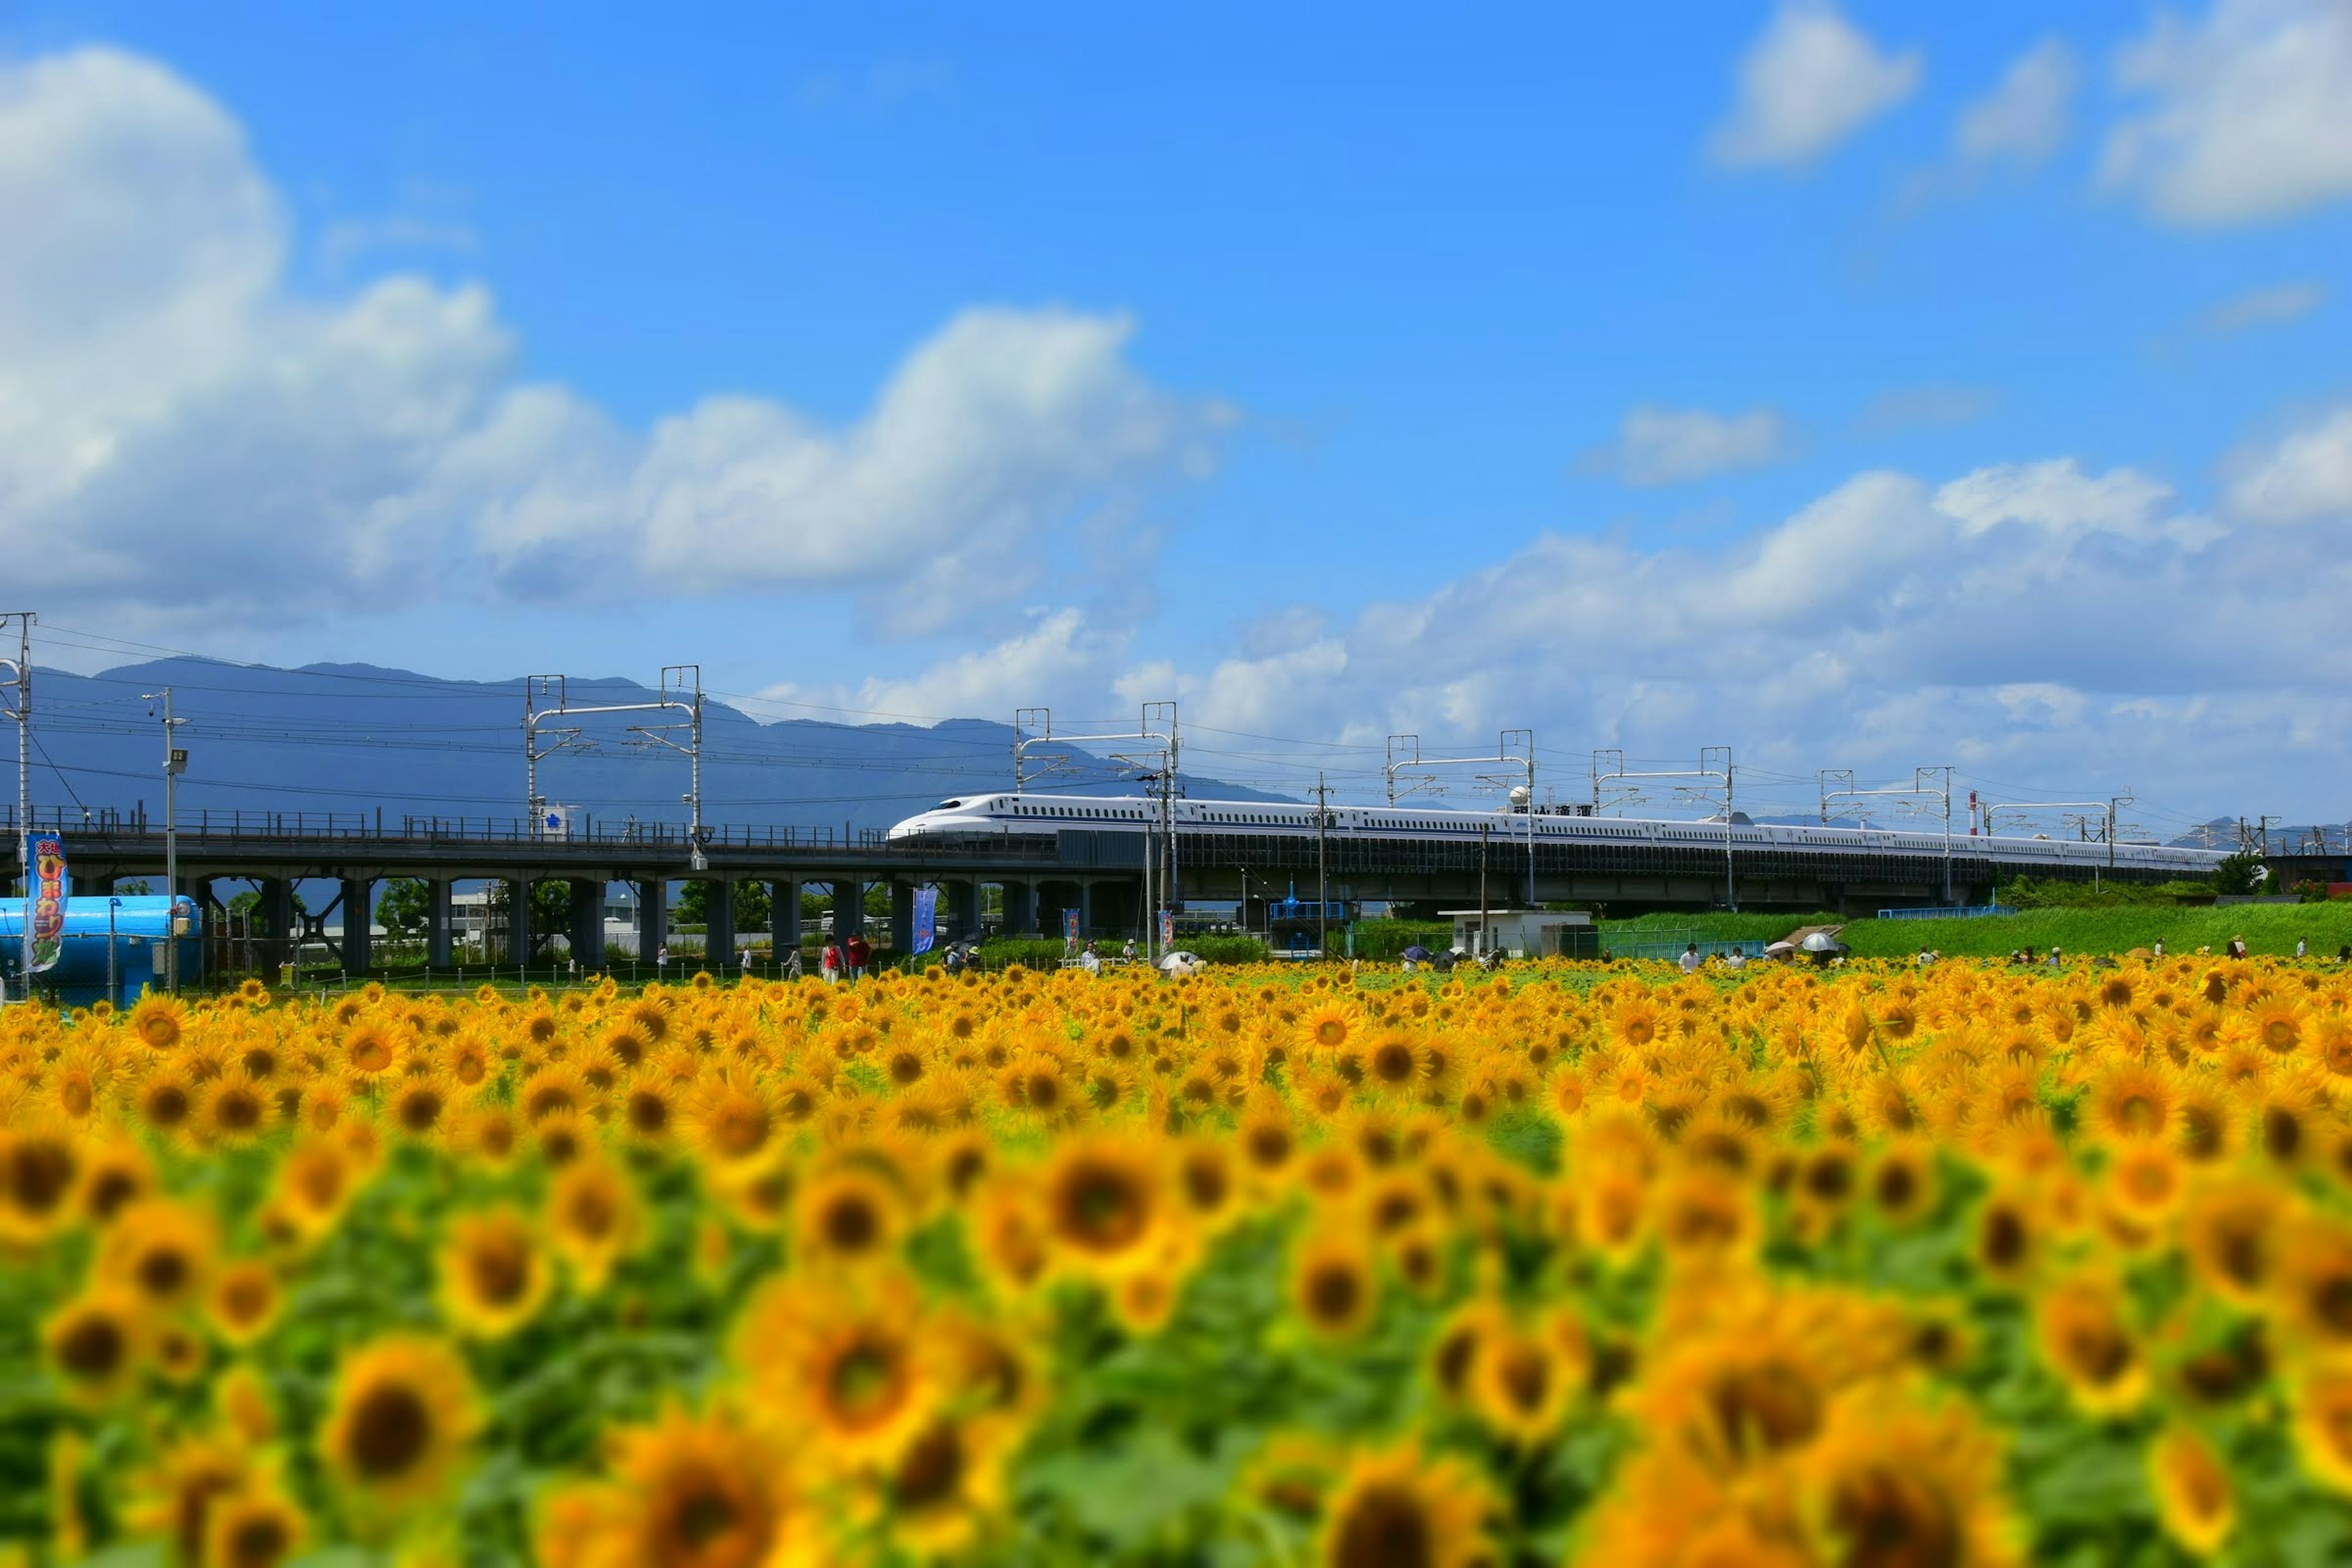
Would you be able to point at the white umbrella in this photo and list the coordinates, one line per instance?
(1182, 963)
(1821, 941)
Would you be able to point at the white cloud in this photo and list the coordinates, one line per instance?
(178, 429)
(2024, 118)
(2304, 476)
(1059, 657)
(1670, 446)
(2245, 113)
(2266, 307)
(1809, 81)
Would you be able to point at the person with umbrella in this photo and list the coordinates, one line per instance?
(1414, 956)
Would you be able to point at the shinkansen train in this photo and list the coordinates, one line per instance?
(985, 816)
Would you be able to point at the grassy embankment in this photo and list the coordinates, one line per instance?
(2268, 929)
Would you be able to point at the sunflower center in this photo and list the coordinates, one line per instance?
(500, 1270)
(93, 1348)
(850, 1223)
(740, 1128)
(1385, 1527)
(1102, 1208)
(1333, 1293)
(867, 1382)
(705, 1517)
(931, 1471)
(390, 1433)
(40, 1173)
(1771, 1406)
(1891, 1520)
(162, 1272)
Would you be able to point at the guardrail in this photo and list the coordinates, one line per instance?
(1952, 912)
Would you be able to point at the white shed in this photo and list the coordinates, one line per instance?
(1521, 934)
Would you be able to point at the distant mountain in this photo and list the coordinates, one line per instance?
(358, 739)
(2306, 838)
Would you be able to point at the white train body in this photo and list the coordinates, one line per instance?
(983, 817)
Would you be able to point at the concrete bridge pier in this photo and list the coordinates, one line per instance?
(1020, 907)
(963, 907)
(1085, 908)
(784, 917)
(588, 924)
(718, 926)
(277, 913)
(653, 918)
(358, 905)
(521, 937)
(902, 919)
(438, 919)
(848, 908)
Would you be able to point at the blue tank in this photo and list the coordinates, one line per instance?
(118, 934)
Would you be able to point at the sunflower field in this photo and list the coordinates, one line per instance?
(1563, 1265)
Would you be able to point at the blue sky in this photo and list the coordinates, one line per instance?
(1863, 386)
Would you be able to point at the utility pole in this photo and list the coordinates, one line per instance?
(1323, 869)
(175, 762)
(1483, 916)
(22, 673)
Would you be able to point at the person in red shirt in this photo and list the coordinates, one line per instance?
(859, 955)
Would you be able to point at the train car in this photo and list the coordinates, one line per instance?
(985, 817)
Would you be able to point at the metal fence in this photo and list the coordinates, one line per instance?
(1948, 912)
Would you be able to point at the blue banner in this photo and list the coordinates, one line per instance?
(926, 914)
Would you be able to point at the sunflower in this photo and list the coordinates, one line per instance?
(685, 1492)
(494, 1275)
(1902, 1182)
(75, 1087)
(2232, 1231)
(2010, 1238)
(2086, 1341)
(730, 1118)
(256, 1529)
(402, 1414)
(177, 1497)
(1333, 1287)
(156, 1020)
(162, 1252)
(1895, 1482)
(245, 1301)
(1398, 1506)
(96, 1344)
(115, 1174)
(1106, 1202)
(2278, 1025)
(2194, 1497)
(850, 1364)
(1326, 1027)
(40, 1170)
(423, 1109)
(591, 1219)
(2131, 1101)
(940, 1493)
(2312, 1290)
(166, 1102)
(315, 1182)
(848, 1216)
(2322, 1426)
(1521, 1383)
(370, 1050)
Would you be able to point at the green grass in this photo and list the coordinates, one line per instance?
(2267, 928)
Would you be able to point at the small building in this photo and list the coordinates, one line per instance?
(1524, 933)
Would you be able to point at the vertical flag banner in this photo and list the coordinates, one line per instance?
(926, 917)
(1167, 928)
(49, 890)
(1070, 927)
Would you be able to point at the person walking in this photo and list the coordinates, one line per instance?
(747, 963)
(831, 964)
(2302, 948)
(661, 963)
(1691, 960)
(859, 953)
(2237, 947)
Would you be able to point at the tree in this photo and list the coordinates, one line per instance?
(753, 905)
(404, 907)
(2240, 873)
